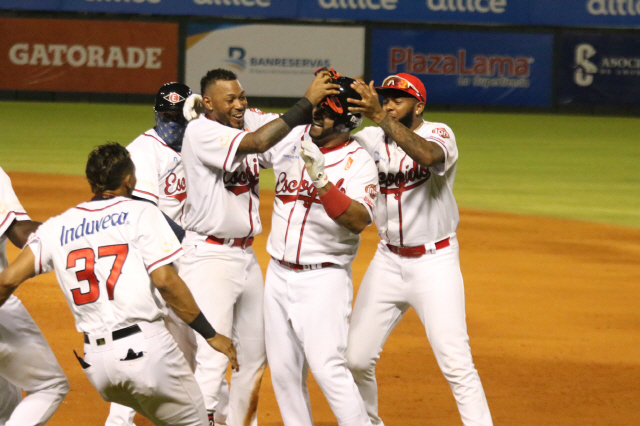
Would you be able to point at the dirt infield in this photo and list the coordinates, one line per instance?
(552, 310)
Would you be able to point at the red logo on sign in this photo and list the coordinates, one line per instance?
(442, 132)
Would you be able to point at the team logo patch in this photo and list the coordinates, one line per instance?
(371, 190)
(166, 246)
(442, 132)
(349, 163)
(174, 98)
(256, 110)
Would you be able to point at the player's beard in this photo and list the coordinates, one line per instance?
(407, 119)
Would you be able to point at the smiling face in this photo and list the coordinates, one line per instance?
(226, 103)
(322, 130)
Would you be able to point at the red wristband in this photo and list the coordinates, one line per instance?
(335, 202)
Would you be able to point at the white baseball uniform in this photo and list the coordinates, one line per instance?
(308, 289)
(103, 252)
(221, 218)
(416, 212)
(159, 179)
(26, 360)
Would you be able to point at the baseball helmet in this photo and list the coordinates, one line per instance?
(344, 120)
(171, 97)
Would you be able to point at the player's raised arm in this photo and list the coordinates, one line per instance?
(177, 295)
(225, 102)
(398, 117)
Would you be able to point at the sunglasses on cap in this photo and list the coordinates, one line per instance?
(397, 82)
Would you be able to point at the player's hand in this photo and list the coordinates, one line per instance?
(224, 345)
(369, 105)
(193, 107)
(314, 160)
(321, 87)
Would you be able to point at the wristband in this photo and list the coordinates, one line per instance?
(298, 114)
(202, 326)
(335, 202)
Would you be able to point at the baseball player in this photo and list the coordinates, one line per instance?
(326, 185)
(26, 360)
(160, 180)
(416, 263)
(107, 254)
(219, 154)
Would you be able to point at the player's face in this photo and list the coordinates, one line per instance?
(321, 126)
(226, 103)
(402, 109)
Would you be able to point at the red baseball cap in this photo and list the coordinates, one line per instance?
(406, 83)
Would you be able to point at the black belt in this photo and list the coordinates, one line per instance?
(118, 334)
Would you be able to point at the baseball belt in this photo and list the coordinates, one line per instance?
(116, 335)
(232, 242)
(298, 267)
(417, 251)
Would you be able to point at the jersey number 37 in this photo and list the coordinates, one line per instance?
(120, 252)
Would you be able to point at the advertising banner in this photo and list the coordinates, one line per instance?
(50, 5)
(273, 60)
(461, 11)
(64, 55)
(599, 70)
(232, 8)
(469, 68)
(586, 13)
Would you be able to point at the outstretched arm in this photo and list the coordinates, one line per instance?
(18, 272)
(19, 231)
(422, 151)
(175, 292)
(271, 133)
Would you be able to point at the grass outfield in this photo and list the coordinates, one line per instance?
(579, 167)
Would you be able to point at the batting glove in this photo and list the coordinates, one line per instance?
(192, 105)
(314, 160)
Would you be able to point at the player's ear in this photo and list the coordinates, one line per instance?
(129, 182)
(208, 103)
(419, 109)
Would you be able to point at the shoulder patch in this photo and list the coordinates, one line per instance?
(256, 110)
(442, 132)
(371, 190)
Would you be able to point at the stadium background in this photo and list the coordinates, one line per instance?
(549, 192)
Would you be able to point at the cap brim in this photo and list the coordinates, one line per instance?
(394, 90)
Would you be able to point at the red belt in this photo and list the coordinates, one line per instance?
(417, 251)
(236, 242)
(297, 267)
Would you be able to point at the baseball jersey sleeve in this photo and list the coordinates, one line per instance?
(154, 238)
(10, 207)
(254, 118)
(443, 136)
(214, 144)
(146, 171)
(37, 242)
(368, 138)
(363, 186)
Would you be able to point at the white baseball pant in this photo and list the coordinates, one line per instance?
(27, 363)
(432, 285)
(306, 325)
(121, 415)
(227, 284)
(147, 372)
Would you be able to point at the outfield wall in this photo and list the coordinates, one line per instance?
(122, 58)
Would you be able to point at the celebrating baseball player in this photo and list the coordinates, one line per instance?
(108, 253)
(326, 185)
(417, 262)
(26, 360)
(160, 180)
(219, 154)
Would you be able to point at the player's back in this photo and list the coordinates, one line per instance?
(102, 252)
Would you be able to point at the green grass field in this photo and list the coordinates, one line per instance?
(579, 167)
